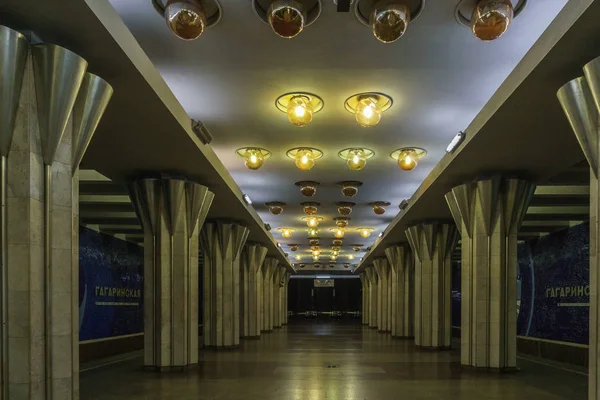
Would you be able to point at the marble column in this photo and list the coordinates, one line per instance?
(402, 294)
(432, 245)
(222, 245)
(44, 88)
(489, 213)
(580, 100)
(365, 298)
(172, 212)
(382, 269)
(277, 276)
(268, 269)
(251, 279)
(372, 278)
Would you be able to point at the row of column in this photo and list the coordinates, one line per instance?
(408, 292)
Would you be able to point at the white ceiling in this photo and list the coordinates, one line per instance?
(439, 76)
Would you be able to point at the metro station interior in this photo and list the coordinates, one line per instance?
(299, 199)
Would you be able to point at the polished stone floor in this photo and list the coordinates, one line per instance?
(333, 361)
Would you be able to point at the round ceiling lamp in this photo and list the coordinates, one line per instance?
(350, 188)
(316, 258)
(313, 241)
(287, 18)
(356, 158)
(301, 265)
(308, 188)
(333, 257)
(337, 242)
(346, 265)
(335, 251)
(365, 232)
(304, 157)
(316, 253)
(313, 232)
(188, 19)
(254, 157)
(344, 208)
(310, 207)
(389, 21)
(338, 232)
(350, 257)
(488, 19)
(286, 232)
(312, 221)
(332, 265)
(293, 247)
(275, 207)
(298, 257)
(379, 207)
(342, 222)
(368, 107)
(408, 157)
(299, 107)
(356, 247)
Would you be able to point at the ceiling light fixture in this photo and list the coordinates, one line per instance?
(342, 222)
(344, 208)
(312, 221)
(254, 157)
(380, 234)
(338, 232)
(333, 257)
(316, 258)
(275, 207)
(337, 242)
(356, 158)
(356, 247)
(299, 107)
(456, 141)
(293, 247)
(335, 251)
(316, 253)
(389, 21)
(350, 257)
(188, 19)
(367, 107)
(304, 157)
(313, 232)
(286, 232)
(350, 188)
(287, 18)
(408, 157)
(308, 188)
(403, 204)
(365, 232)
(488, 19)
(247, 199)
(346, 265)
(310, 207)
(379, 207)
(298, 257)
(313, 241)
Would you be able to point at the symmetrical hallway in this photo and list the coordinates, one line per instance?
(334, 361)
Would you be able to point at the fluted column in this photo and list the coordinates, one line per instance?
(402, 278)
(489, 213)
(372, 277)
(432, 245)
(222, 245)
(172, 212)
(382, 269)
(365, 297)
(580, 100)
(284, 307)
(268, 269)
(277, 277)
(252, 260)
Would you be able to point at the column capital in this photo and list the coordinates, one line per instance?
(397, 255)
(427, 239)
(381, 267)
(216, 237)
(253, 256)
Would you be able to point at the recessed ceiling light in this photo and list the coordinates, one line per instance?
(188, 19)
(344, 208)
(379, 207)
(350, 188)
(389, 21)
(308, 188)
(356, 157)
(310, 207)
(275, 207)
(365, 232)
(488, 19)
(304, 157)
(312, 221)
(247, 199)
(408, 157)
(286, 232)
(342, 222)
(368, 107)
(456, 141)
(299, 107)
(254, 157)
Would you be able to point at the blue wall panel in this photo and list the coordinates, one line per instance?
(110, 286)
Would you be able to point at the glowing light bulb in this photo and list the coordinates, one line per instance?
(316, 258)
(185, 18)
(335, 253)
(366, 113)
(338, 233)
(298, 257)
(286, 233)
(333, 257)
(305, 159)
(365, 232)
(407, 160)
(350, 256)
(390, 22)
(253, 159)
(300, 111)
(286, 18)
(491, 19)
(313, 232)
(356, 159)
(316, 253)
(312, 222)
